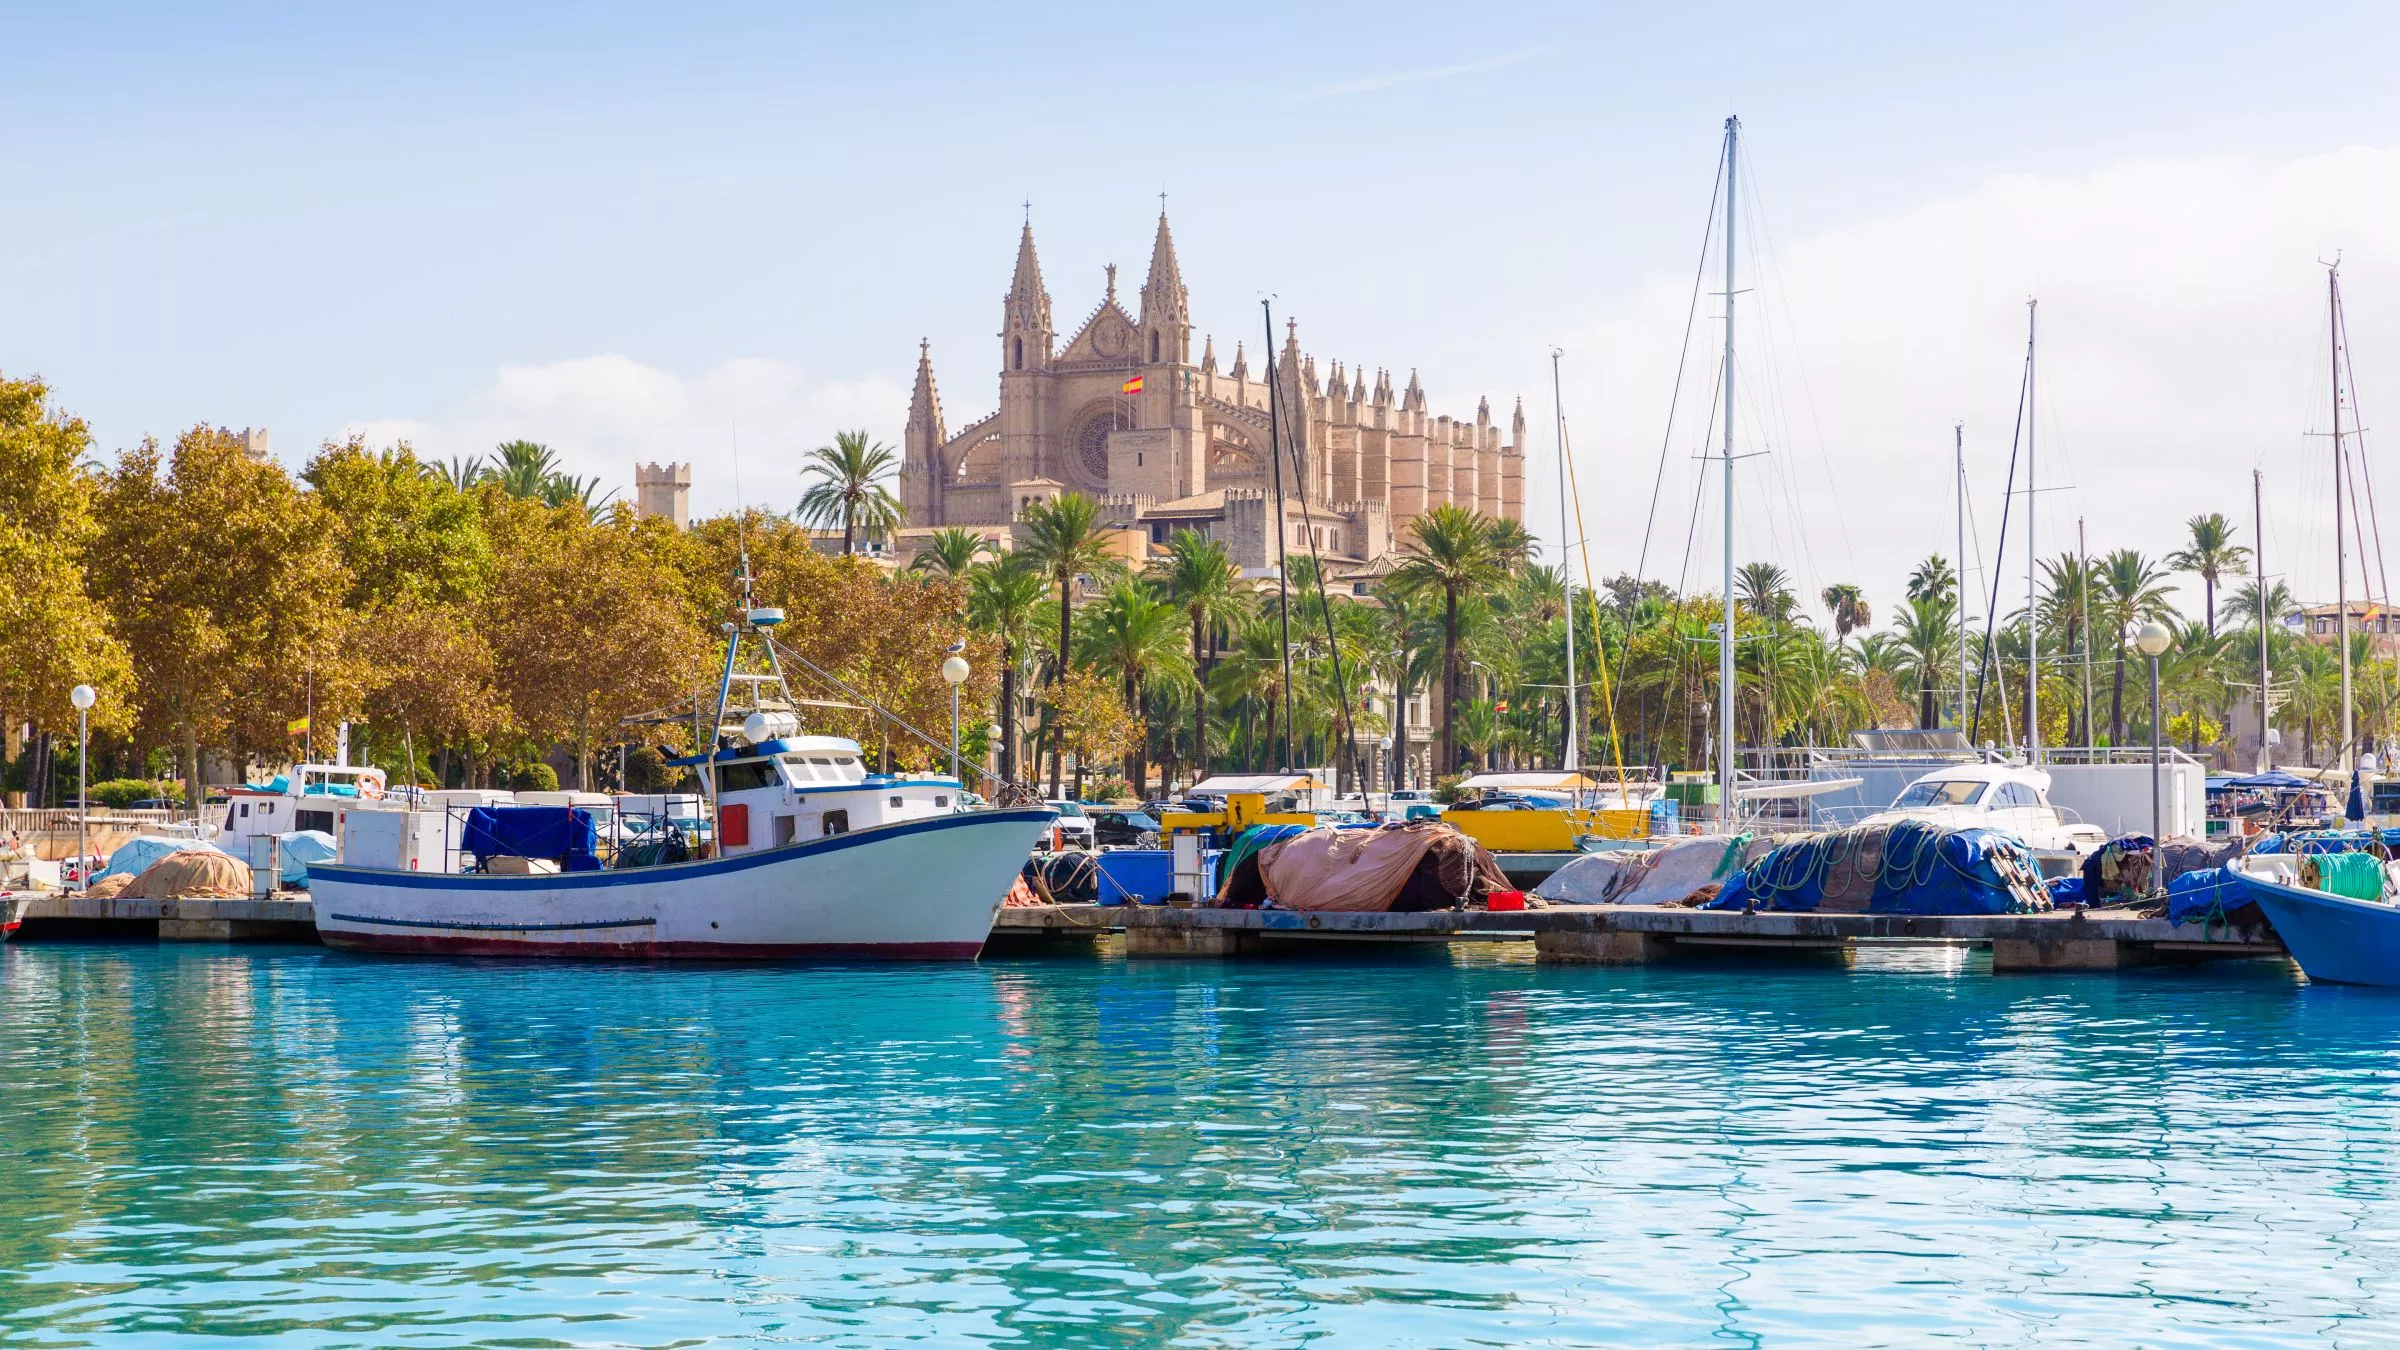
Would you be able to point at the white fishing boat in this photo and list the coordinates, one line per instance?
(811, 856)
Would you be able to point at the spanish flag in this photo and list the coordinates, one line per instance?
(1132, 386)
(298, 726)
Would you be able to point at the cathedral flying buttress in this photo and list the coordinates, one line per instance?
(1121, 412)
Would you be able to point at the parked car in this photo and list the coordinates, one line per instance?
(1123, 827)
(1074, 825)
(1397, 806)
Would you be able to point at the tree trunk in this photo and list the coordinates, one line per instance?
(1201, 663)
(1137, 763)
(1399, 756)
(1008, 712)
(1058, 671)
(2116, 705)
(1449, 728)
(194, 796)
(2208, 588)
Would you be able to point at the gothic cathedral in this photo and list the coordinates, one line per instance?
(1120, 412)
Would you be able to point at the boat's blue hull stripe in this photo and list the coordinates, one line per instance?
(1030, 817)
(495, 927)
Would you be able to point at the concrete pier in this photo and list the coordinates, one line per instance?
(278, 918)
(1637, 935)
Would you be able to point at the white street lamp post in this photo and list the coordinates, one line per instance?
(2153, 642)
(955, 670)
(83, 697)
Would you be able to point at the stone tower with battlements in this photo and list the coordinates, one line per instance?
(664, 491)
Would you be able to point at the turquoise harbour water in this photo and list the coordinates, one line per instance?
(209, 1145)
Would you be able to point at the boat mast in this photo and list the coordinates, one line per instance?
(1283, 584)
(2341, 539)
(1958, 448)
(1573, 758)
(2258, 558)
(2083, 588)
(2033, 632)
(1725, 633)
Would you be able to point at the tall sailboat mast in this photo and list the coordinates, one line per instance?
(2258, 559)
(1725, 637)
(2033, 632)
(1958, 449)
(1573, 758)
(2341, 538)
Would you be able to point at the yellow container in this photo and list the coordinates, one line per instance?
(1546, 831)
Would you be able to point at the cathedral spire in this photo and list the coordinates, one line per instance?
(1414, 399)
(1166, 305)
(1025, 329)
(1208, 354)
(1241, 362)
(925, 402)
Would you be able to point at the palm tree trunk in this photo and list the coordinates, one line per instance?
(2116, 704)
(849, 527)
(1395, 770)
(1058, 671)
(1137, 765)
(2208, 588)
(1008, 712)
(1449, 728)
(1201, 663)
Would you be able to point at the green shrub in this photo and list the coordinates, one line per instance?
(119, 793)
(534, 776)
(1107, 790)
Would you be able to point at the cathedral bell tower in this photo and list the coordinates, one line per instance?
(1025, 337)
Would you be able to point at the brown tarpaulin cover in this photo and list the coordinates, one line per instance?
(189, 875)
(1368, 870)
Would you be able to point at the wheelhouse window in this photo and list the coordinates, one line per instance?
(742, 777)
(1943, 792)
(837, 822)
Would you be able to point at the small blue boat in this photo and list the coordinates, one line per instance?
(2335, 939)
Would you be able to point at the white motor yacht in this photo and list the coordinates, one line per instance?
(2007, 797)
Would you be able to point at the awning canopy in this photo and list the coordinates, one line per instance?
(2272, 779)
(1226, 783)
(1535, 780)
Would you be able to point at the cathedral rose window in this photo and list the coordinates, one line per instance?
(1091, 447)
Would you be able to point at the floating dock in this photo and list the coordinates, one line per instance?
(1637, 935)
(275, 918)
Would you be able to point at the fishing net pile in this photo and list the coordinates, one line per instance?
(191, 874)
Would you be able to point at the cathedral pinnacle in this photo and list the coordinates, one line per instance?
(1027, 284)
(1208, 354)
(1241, 363)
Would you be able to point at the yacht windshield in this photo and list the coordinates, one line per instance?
(1942, 792)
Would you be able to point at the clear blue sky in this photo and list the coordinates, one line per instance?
(316, 217)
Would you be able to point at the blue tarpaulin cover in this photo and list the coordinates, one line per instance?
(564, 834)
(1924, 869)
(2196, 897)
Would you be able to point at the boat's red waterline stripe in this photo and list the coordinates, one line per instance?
(448, 945)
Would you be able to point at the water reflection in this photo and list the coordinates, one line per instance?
(211, 1142)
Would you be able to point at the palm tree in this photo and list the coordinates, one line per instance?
(2211, 554)
(1064, 539)
(1927, 631)
(849, 487)
(2244, 602)
(1135, 633)
(1766, 591)
(460, 474)
(523, 469)
(1200, 578)
(950, 551)
(2128, 590)
(1850, 610)
(1933, 577)
(1456, 554)
(1003, 599)
(565, 489)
